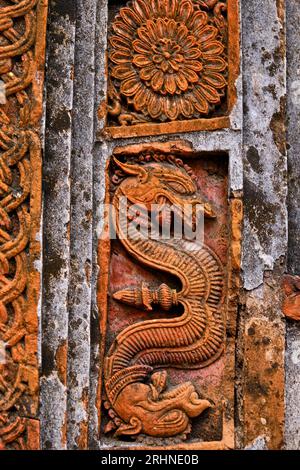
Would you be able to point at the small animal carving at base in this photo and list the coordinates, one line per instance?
(152, 409)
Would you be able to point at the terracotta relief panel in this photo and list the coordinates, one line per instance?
(168, 306)
(172, 66)
(22, 44)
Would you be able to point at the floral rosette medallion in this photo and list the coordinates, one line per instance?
(166, 60)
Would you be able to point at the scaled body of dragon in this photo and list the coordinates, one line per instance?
(193, 339)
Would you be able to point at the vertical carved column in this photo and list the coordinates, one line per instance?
(56, 223)
(22, 45)
(265, 235)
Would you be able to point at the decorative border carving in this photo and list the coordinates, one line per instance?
(22, 52)
(233, 284)
(143, 97)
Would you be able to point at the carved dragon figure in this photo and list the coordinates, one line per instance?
(138, 396)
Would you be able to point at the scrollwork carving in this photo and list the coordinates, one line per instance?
(21, 26)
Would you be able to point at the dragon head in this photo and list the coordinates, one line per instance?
(161, 184)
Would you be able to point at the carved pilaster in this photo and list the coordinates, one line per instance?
(22, 44)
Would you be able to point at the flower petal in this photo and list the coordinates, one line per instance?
(194, 65)
(210, 93)
(157, 80)
(157, 58)
(161, 28)
(123, 71)
(189, 41)
(166, 8)
(145, 37)
(186, 107)
(198, 20)
(141, 47)
(175, 65)
(130, 87)
(141, 99)
(120, 43)
(214, 79)
(200, 102)
(170, 84)
(154, 106)
(191, 76)
(216, 64)
(147, 73)
(165, 65)
(212, 48)
(142, 9)
(172, 27)
(171, 108)
(182, 33)
(207, 33)
(171, 8)
(179, 58)
(123, 30)
(120, 57)
(130, 17)
(152, 33)
(186, 11)
(193, 53)
(141, 60)
(155, 7)
(182, 82)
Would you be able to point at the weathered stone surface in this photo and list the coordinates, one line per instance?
(81, 227)
(263, 383)
(292, 394)
(261, 356)
(265, 159)
(292, 422)
(56, 226)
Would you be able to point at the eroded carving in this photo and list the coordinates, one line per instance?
(168, 61)
(139, 399)
(291, 302)
(18, 433)
(22, 40)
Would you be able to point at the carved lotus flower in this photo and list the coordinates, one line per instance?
(167, 58)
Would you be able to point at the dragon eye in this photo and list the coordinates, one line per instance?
(178, 187)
